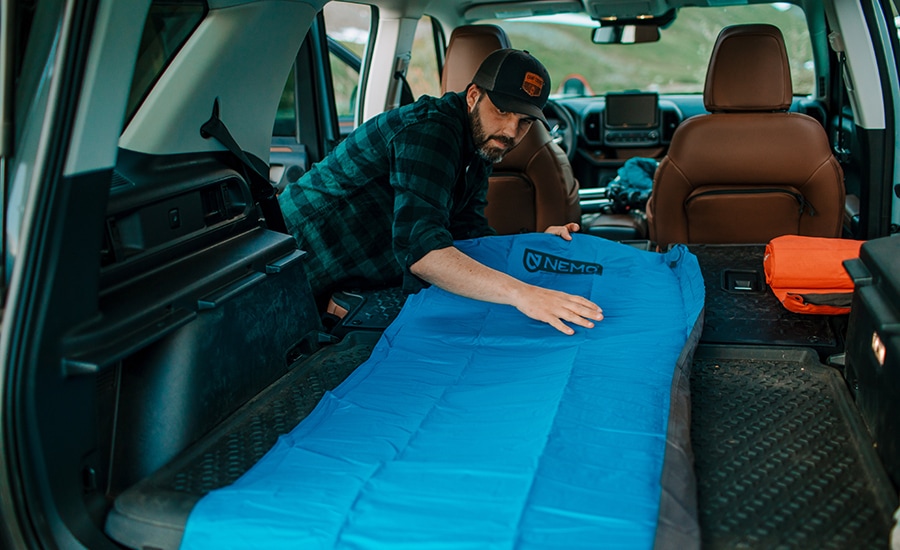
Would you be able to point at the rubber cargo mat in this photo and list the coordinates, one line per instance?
(741, 309)
(782, 458)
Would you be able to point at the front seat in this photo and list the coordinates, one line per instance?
(750, 170)
(533, 187)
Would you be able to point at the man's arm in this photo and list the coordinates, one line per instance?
(453, 271)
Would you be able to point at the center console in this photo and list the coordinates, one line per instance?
(631, 119)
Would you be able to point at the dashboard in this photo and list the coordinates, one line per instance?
(604, 131)
(611, 128)
(630, 119)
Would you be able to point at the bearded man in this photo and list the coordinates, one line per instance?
(385, 206)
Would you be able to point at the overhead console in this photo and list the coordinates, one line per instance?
(631, 119)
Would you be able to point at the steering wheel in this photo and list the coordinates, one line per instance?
(562, 126)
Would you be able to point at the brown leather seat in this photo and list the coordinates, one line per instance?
(749, 171)
(533, 187)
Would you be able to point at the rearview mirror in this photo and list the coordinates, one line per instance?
(625, 34)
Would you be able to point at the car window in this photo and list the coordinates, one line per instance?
(423, 74)
(348, 27)
(167, 28)
(34, 77)
(675, 64)
(285, 117)
(345, 65)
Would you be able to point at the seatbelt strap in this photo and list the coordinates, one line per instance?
(260, 187)
(401, 64)
(841, 152)
(837, 44)
(406, 94)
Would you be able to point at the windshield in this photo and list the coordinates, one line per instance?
(675, 64)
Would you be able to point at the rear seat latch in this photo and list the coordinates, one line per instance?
(734, 280)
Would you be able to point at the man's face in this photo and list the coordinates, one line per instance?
(494, 132)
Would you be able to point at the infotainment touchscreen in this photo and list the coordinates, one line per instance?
(631, 110)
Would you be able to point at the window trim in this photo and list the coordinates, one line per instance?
(133, 109)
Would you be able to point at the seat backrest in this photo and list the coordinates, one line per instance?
(469, 45)
(749, 170)
(533, 187)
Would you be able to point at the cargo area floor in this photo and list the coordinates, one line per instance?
(781, 455)
(782, 458)
(154, 512)
(741, 309)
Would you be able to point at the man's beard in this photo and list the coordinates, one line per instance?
(486, 151)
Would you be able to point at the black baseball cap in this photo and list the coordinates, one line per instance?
(516, 82)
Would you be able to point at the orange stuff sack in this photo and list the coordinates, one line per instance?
(807, 273)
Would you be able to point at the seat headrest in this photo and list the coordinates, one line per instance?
(748, 70)
(469, 46)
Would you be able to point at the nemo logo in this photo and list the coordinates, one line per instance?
(532, 84)
(535, 260)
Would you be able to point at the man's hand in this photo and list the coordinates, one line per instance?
(553, 307)
(564, 231)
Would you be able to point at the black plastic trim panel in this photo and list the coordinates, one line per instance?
(146, 308)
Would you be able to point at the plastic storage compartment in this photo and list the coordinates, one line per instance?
(873, 345)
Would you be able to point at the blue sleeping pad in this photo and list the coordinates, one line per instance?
(473, 426)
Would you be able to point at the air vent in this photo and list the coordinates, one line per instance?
(670, 120)
(592, 127)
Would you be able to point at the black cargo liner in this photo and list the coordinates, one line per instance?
(782, 457)
(741, 309)
(154, 512)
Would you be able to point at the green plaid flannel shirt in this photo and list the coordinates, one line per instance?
(405, 183)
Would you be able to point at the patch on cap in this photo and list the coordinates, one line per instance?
(532, 84)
